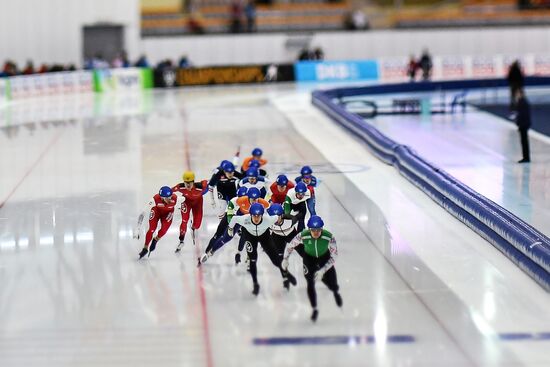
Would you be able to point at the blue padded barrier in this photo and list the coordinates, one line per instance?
(523, 262)
(527, 247)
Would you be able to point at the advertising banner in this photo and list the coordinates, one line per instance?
(336, 71)
(37, 85)
(541, 65)
(220, 75)
(235, 74)
(483, 67)
(4, 90)
(453, 67)
(124, 79)
(393, 70)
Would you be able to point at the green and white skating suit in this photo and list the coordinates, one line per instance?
(293, 205)
(315, 247)
(231, 209)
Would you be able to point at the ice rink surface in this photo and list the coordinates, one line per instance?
(419, 288)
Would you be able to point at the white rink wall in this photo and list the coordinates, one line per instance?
(267, 48)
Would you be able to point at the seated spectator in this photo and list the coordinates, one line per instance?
(42, 69)
(250, 12)
(194, 24)
(356, 20)
(121, 60)
(165, 64)
(56, 68)
(97, 62)
(142, 62)
(10, 69)
(184, 62)
(29, 68)
(236, 11)
(117, 62)
(318, 54)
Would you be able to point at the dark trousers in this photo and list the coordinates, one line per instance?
(281, 241)
(223, 239)
(222, 226)
(311, 265)
(524, 144)
(251, 246)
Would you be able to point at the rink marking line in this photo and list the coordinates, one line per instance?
(542, 336)
(332, 340)
(200, 275)
(371, 339)
(32, 167)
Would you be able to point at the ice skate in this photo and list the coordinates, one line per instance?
(152, 247)
(314, 315)
(143, 252)
(338, 299)
(180, 246)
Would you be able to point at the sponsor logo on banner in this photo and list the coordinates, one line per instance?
(484, 67)
(329, 71)
(542, 65)
(169, 78)
(394, 69)
(453, 67)
(220, 75)
(338, 71)
(119, 79)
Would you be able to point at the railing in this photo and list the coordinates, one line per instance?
(527, 247)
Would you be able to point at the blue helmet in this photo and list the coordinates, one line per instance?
(275, 209)
(315, 222)
(255, 163)
(256, 209)
(257, 152)
(165, 192)
(301, 188)
(228, 167)
(253, 193)
(242, 191)
(223, 163)
(306, 171)
(282, 180)
(252, 172)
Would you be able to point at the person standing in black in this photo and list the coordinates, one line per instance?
(425, 64)
(523, 121)
(515, 81)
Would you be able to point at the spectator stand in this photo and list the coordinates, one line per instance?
(214, 16)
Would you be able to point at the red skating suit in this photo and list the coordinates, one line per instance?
(160, 211)
(278, 196)
(193, 202)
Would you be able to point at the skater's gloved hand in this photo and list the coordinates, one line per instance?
(284, 264)
(230, 231)
(237, 258)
